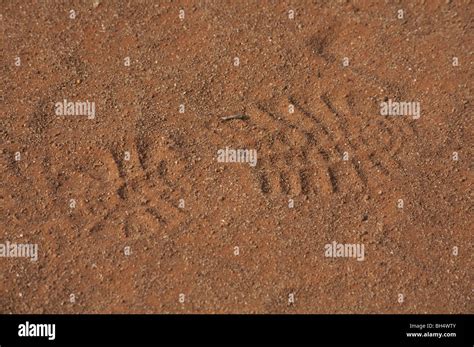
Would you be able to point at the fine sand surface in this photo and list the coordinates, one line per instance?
(133, 213)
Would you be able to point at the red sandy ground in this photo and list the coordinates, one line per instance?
(190, 250)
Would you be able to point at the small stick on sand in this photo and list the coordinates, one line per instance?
(235, 116)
